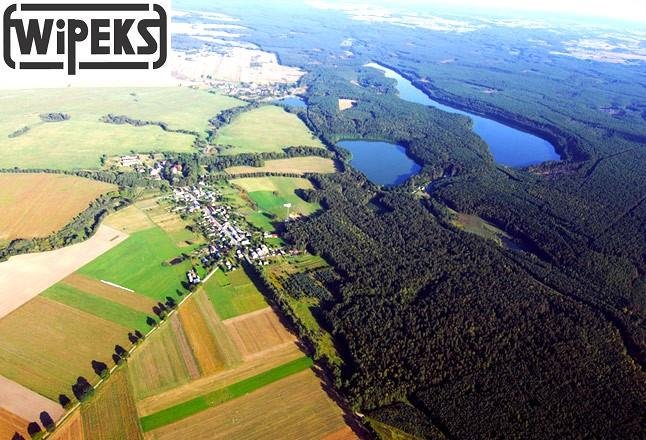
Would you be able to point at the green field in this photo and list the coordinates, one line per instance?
(137, 264)
(97, 306)
(80, 141)
(268, 128)
(238, 389)
(233, 294)
(271, 193)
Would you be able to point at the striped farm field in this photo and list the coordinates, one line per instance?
(293, 165)
(164, 362)
(111, 293)
(295, 407)
(97, 306)
(238, 389)
(24, 197)
(111, 414)
(71, 429)
(45, 345)
(201, 338)
(233, 294)
(257, 332)
(138, 264)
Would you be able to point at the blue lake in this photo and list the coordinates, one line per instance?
(292, 101)
(508, 145)
(382, 162)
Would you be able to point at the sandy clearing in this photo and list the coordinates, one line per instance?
(345, 104)
(24, 276)
(26, 403)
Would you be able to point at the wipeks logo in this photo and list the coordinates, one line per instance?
(102, 43)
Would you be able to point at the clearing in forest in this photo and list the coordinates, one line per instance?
(265, 129)
(270, 194)
(39, 204)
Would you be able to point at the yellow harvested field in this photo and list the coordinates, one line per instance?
(129, 220)
(71, 429)
(111, 413)
(11, 424)
(114, 294)
(345, 104)
(46, 345)
(201, 338)
(163, 362)
(269, 359)
(37, 205)
(257, 332)
(342, 434)
(295, 408)
(24, 276)
(252, 184)
(294, 165)
(25, 403)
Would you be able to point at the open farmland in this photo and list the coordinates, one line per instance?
(271, 193)
(25, 403)
(111, 414)
(71, 429)
(25, 276)
(252, 367)
(233, 294)
(45, 345)
(137, 264)
(11, 423)
(114, 294)
(295, 407)
(257, 332)
(164, 362)
(201, 338)
(24, 197)
(219, 396)
(98, 306)
(80, 141)
(295, 165)
(268, 128)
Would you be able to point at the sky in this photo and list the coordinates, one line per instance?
(632, 10)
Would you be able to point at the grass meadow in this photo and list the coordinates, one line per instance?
(267, 128)
(233, 294)
(80, 141)
(138, 264)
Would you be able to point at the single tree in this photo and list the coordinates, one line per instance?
(65, 401)
(47, 421)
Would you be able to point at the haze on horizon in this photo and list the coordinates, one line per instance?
(625, 10)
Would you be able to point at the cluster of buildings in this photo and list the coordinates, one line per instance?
(229, 240)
